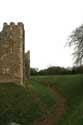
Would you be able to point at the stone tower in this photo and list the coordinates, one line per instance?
(27, 65)
(12, 53)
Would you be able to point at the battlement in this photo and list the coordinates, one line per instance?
(12, 53)
(19, 24)
(12, 26)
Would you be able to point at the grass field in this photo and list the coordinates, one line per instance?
(71, 87)
(38, 103)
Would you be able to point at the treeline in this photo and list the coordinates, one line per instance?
(56, 70)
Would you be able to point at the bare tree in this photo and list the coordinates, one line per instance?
(76, 40)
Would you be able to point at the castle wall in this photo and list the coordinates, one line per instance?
(27, 65)
(12, 53)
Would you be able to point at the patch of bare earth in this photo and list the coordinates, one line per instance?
(57, 114)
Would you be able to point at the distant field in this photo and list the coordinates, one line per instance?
(45, 100)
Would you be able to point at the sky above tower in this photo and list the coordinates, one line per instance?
(48, 23)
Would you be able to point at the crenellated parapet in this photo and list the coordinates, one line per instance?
(12, 24)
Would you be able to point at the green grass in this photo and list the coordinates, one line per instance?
(24, 105)
(16, 104)
(47, 100)
(35, 101)
(71, 87)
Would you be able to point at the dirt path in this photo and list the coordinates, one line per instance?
(59, 110)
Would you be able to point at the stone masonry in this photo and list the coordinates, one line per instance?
(12, 53)
(27, 65)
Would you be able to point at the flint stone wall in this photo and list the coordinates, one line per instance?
(27, 65)
(12, 53)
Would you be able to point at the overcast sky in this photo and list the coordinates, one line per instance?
(48, 23)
